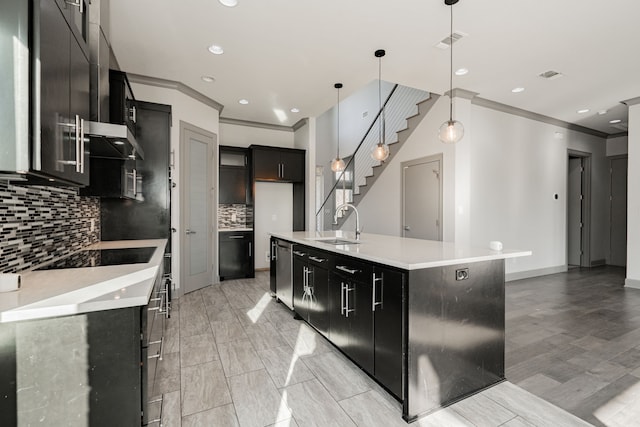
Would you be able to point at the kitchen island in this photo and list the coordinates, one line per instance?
(78, 346)
(425, 319)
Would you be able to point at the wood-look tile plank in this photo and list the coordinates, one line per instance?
(518, 422)
(371, 409)
(340, 377)
(538, 384)
(171, 412)
(264, 336)
(311, 406)
(284, 366)
(167, 374)
(305, 341)
(482, 411)
(222, 416)
(198, 349)
(239, 357)
(227, 331)
(445, 417)
(203, 387)
(256, 399)
(530, 407)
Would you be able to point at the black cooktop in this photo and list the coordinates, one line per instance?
(102, 257)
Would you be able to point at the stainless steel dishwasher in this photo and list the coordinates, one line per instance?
(284, 282)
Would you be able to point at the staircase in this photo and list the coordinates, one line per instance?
(404, 109)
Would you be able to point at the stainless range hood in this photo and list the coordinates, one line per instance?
(110, 140)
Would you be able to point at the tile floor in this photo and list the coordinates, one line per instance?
(234, 357)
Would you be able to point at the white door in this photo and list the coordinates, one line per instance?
(619, 212)
(574, 208)
(422, 198)
(197, 218)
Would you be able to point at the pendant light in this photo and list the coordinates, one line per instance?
(337, 164)
(451, 131)
(380, 151)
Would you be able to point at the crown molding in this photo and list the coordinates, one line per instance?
(632, 101)
(482, 102)
(172, 84)
(238, 122)
(300, 123)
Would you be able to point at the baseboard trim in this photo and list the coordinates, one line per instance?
(534, 273)
(632, 283)
(598, 262)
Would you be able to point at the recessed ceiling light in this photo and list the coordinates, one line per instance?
(295, 110)
(216, 50)
(461, 71)
(243, 101)
(229, 3)
(602, 112)
(615, 121)
(517, 89)
(208, 79)
(582, 111)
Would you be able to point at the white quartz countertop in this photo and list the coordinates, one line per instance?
(63, 292)
(401, 252)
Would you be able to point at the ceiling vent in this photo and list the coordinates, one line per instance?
(450, 39)
(622, 126)
(550, 75)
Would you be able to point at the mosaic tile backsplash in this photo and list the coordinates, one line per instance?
(39, 224)
(235, 216)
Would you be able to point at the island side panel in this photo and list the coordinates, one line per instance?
(455, 334)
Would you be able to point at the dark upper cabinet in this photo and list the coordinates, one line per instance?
(234, 186)
(62, 97)
(236, 254)
(122, 103)
(278, 164)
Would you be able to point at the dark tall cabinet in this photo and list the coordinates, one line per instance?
(148, 216)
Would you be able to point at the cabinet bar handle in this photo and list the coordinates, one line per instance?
(135, 184)
(249, 248)
(299, 253)
(282, 175)
(81, 157)
(373, 298)
(133, 114)
(77, 143)
(79, 4)
(312, 258)
(236, 237)
(348, 310)
(342, 298)
(346, 270)
(274, 255)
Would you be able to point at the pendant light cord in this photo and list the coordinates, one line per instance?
(380, 97)
(338, 123)
(451, 68)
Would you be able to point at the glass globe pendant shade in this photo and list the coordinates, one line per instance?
(451, 132)
(380, 152)
(337, 164)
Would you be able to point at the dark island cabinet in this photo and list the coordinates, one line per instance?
(387, 304)
(278, 164)
(310, 287)
(235, 179)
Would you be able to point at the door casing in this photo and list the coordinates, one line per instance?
(585, 259)
(427, 159)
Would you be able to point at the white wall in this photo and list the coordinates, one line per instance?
(633, 199)
(517, 165)
(617, 146)
(244, 136)
(183, 108)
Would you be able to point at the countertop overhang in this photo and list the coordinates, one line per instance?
(64, 292)
(400, 252)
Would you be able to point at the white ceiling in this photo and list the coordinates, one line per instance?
(281, 54)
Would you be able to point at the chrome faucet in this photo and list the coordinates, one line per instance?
(346, 206)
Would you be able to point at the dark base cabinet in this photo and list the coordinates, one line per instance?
(236, 255)
(310, 287)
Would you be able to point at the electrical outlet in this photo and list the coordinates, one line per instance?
(462, 274)
(233, 217)
(93, 224)
(267, 256)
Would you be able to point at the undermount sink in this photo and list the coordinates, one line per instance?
(336, 241)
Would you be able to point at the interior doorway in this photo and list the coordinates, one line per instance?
(422, 198)
(618, 211)
(578, 209)
(197, 216)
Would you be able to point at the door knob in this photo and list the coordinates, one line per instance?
(189, 232)
(407, 228)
